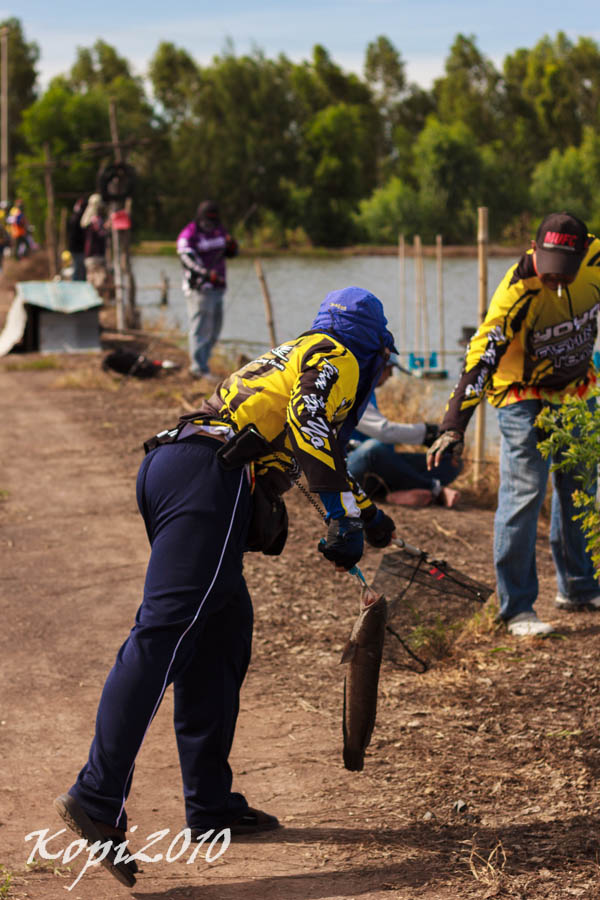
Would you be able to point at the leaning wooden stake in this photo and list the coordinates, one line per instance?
(267, 301)
(482, 254)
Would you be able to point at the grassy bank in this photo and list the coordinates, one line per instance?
(167, 248)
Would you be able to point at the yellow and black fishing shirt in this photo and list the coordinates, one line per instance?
(532, 344)
(297, 395)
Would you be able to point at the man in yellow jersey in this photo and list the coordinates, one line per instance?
(208, 490)
(534, 347)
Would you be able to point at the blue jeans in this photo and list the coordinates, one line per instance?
(205, 314)
(523, 480)
(399, 471)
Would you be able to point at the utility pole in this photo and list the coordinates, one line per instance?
(4, 32)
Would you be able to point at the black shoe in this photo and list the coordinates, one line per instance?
(253, 821)
(92, 831)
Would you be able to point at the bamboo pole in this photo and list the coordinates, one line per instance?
(424, 308)
(403, 339)
(418, 327)
(267, 301)
(440, 298)
(482, 256)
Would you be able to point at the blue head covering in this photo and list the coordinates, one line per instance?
(355, 318)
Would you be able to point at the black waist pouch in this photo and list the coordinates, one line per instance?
(268, 529)
(244, 447)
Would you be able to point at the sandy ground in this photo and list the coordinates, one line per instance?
(481, 778)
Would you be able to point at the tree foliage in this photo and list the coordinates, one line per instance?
(310, 146)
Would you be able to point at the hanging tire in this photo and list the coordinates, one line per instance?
(116, 182)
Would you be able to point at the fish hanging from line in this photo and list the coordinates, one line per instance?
(362, 654)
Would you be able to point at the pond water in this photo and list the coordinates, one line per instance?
(298, 284)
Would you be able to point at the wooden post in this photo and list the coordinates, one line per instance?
(116, 249)
(267, 301)
(164, 287)
(418, 330)
(425, 311)
(50, 223)
(482, 255)
(403, 338)
(4, 116)
(440, 299)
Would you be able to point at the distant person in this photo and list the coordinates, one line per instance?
(76, 239)
(398, 477)
(67, 266)
(4, 235)
(18, 229)
(533, 349)
(93, 223)
(203, 246)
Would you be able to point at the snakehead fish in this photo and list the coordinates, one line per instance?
(362, 653)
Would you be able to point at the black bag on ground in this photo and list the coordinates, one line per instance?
(126, 362)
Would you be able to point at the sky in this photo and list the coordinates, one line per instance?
(422, 30)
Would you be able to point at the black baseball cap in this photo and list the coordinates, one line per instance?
(561, 243)
(208, 210)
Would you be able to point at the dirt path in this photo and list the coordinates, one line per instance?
(481, 780)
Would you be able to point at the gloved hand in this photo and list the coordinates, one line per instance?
(213, 276)
(231, 246)
(432, 432)
(379, 528)
(344, 544)
(448, 442)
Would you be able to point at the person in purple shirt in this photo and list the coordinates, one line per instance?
(202, 247)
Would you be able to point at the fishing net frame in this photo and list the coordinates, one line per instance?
(423, 594)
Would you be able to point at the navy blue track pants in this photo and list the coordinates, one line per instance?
(193, 629)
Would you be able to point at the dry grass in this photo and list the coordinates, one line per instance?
(29, 364)
(86, 379)
(487, 869)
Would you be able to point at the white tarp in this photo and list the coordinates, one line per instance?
(14, 326)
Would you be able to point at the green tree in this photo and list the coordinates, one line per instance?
(98, 66)
(390, 210)
(450, 176)
(559, 83)
(64, 120)
(470, 90)
(73, 113)
(336, 171)
(570, 180)
(384, 72)
(175, 79)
